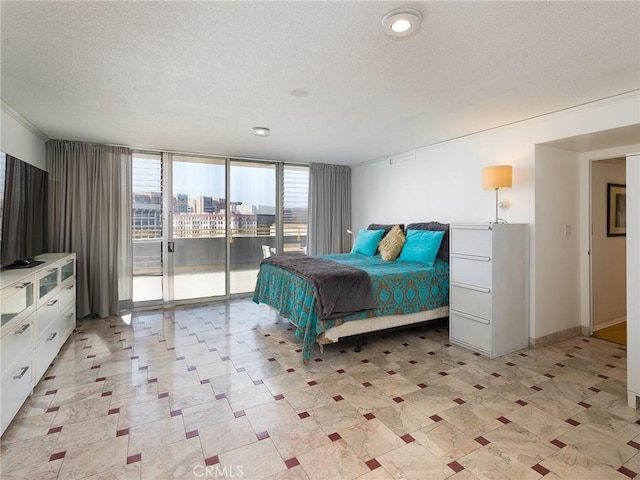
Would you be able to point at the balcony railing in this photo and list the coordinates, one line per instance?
(192, 254)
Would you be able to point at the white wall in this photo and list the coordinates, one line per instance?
(443, 182)
(608, 254)
(557, 241)
(20, 141)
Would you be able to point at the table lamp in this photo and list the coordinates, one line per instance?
(495, 178)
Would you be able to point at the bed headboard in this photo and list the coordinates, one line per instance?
(386, 227)
(443, 252)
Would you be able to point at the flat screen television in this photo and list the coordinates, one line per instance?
(23, 212)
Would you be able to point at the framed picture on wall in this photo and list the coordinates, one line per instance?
(616, 210)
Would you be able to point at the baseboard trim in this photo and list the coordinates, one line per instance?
(610, 323)
(556, 337)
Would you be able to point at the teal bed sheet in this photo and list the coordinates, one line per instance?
(400, 288)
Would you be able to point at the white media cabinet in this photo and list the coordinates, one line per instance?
(38, 314)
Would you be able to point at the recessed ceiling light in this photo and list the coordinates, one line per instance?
(261, 131)
(402, 22)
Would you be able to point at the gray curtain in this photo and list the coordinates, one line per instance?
(87, 217)
(125, 243)
(329, 208)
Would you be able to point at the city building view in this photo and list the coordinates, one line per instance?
(205, 217)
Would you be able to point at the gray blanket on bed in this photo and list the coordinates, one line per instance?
(340, 289)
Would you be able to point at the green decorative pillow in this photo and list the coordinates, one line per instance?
(391, 245)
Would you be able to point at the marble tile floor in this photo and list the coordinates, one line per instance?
(220, 391)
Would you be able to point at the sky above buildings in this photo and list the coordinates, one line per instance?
(248, 184)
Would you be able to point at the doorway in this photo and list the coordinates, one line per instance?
(608, 250)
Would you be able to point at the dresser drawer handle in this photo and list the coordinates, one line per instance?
(51, 270)
(52, 303)
(473, 227)
(69, 315)
(70, 287)
(477, 258)
(471, 287)
(24, 285)
(23, 370)
(472, 317)
(23, 329)
(53, 335)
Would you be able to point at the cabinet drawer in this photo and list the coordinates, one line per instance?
(16, 387)
(67, 270)
(471, 241)
(47, 282)
(18, 301)
(67, 323)
(47, 346)
(471, 271)
(47, 314)
(470, 333)
(67, 295)
(471, 300)
(18, 341)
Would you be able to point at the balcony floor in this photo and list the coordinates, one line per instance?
(193, 285)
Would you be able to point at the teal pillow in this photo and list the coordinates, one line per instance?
(421, 246)
(367, 242)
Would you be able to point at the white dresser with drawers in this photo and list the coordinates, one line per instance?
(489, 290)
(38, 314)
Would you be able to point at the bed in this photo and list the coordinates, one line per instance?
(405, 293)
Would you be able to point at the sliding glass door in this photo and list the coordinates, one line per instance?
(202, 225)
(295, 208)
(197, 247)
(147, 228)
(252, 220)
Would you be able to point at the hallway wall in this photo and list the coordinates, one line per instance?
(608, 254)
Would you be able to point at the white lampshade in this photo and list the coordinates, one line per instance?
(499, 176)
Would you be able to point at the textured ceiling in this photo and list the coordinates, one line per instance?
(196, 76)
